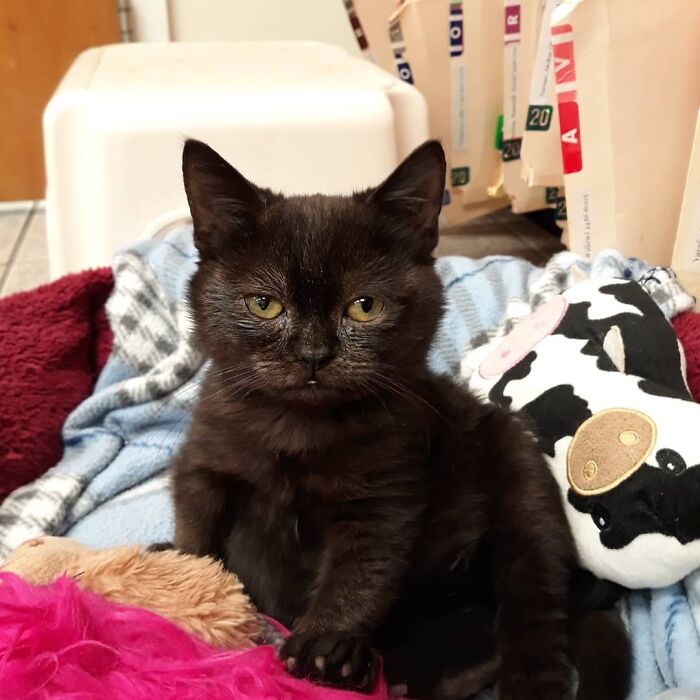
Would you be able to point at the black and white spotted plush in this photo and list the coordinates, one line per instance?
(600, 374)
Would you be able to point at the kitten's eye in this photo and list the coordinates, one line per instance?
(263, 306)
(364, 309)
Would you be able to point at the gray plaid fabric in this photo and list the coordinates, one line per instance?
(117, 439)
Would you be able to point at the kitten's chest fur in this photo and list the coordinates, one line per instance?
(274, 545)
(289, 474)
(276, 538)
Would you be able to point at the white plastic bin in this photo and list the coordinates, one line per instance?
(298, 117)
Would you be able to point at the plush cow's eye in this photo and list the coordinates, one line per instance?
(601, 517)
(671, 461)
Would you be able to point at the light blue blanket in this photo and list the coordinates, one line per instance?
(111, 485)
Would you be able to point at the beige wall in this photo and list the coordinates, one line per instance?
(237, 20)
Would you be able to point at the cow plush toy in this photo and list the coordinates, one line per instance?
(599, 373)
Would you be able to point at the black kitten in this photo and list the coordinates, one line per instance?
(363, 502)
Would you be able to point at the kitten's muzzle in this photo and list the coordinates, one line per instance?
(314, 359)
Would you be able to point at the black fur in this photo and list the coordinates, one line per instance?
(363, 502)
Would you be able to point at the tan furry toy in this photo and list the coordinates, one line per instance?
(196, 593)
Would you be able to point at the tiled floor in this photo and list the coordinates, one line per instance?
(24, 260)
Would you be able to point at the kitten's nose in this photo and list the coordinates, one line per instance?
(315, 358)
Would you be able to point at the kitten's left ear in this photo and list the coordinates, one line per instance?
(412, 196)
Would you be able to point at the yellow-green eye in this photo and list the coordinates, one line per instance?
(263, 306)
(364, 309)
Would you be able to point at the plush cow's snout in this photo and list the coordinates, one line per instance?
(607, 448)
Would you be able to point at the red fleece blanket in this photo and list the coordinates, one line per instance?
(53, 342)
(687, 327)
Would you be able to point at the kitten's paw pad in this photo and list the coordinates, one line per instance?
(338, 659)
(160, 547)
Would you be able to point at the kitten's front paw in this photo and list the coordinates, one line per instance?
(338, 659)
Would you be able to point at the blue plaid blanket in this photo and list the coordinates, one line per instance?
(111, 486)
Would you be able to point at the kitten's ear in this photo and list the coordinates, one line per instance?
(222, 202)
(412, 195)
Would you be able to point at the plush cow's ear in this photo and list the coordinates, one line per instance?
(614, 347)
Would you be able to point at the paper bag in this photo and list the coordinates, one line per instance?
(541, 152)
(686, 251)
(522, 19)
(370, 22)
(428, 43)
(628, 92)
(419, 31)
(477, 98)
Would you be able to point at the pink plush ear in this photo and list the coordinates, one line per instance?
(523, 338)
(61, 642)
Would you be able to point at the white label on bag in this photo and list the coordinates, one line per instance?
(583, 219)
(459, 107)
(541, 72)
(511, 129)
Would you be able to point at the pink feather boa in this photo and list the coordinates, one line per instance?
(59, 642)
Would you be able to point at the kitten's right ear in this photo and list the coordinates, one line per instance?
(412, 197)
(222, 202)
